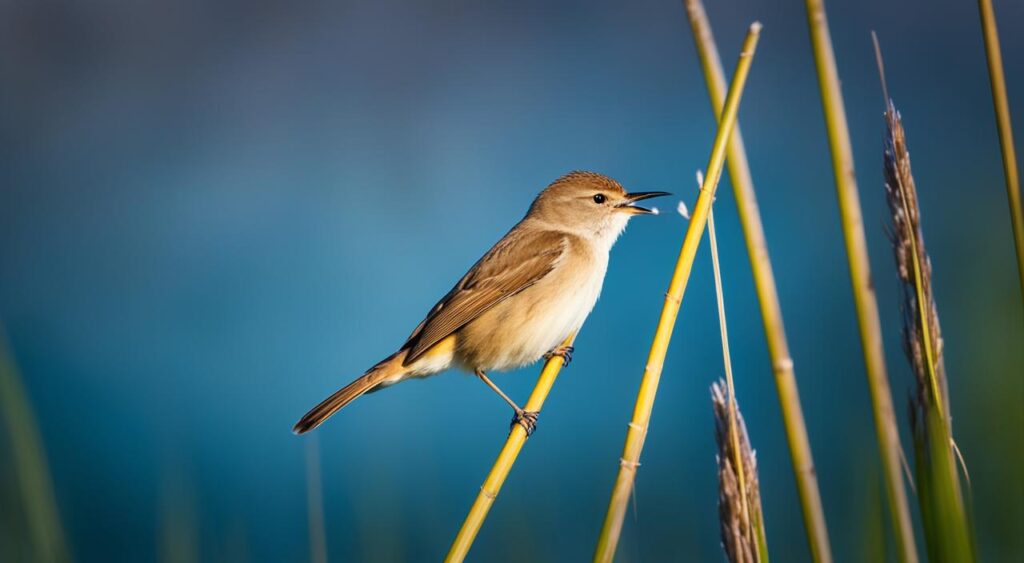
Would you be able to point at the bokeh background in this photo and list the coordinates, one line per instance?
(212, 214)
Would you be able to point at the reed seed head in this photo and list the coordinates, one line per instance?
(922, 337)
(739, 537)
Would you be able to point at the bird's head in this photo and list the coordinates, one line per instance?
(590, 205)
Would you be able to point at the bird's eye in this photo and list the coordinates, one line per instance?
(598, 198)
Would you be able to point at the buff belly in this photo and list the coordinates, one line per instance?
(521, 329)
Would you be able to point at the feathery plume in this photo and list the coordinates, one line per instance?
(738, 533)
(922, 338)
(945, 518)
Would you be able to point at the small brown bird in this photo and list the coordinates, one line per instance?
(520, 301)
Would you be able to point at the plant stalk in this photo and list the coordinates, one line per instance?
(315, 503)
(753, 526)
(28, 457)
(994, 57)
(768, 296)
(860, 277)
(503, 464)
(612, 528)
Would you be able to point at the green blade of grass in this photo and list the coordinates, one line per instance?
(947, 529)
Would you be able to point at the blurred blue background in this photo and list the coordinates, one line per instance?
(214, 214)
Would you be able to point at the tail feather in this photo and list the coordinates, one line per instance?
(378, 374)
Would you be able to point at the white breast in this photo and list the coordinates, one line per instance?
(577, 303)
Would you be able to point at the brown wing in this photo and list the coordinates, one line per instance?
(518, 261)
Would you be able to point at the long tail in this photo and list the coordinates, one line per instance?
(387, 371)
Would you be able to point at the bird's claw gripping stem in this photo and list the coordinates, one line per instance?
(526, 419)
(564, 352)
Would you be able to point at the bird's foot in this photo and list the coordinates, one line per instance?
(564, 352)
(526, 419)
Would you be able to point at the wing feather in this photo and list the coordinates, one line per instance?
(518, 261)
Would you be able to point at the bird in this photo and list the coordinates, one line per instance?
(533, 289)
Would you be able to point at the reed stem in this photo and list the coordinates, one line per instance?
(767, 294)
(315, 503)
(752, 528)
(946, 520)
(860, 277)
(744, 540)
(503, 464)
(612, 528)
(994, 57)
(28, 457)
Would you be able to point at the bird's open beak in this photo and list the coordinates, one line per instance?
(634, 197)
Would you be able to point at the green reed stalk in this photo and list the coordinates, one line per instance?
(860, 277)
(46, 535)
(994, 57)
(315, 503)
(947, 526)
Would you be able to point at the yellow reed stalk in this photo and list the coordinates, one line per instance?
(998, 81)
(612, 528)
(860, 277)
(767, 294)
(503, 465)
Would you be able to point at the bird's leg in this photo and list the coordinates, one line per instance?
(526, 419)
(483, 377)
(564, 352)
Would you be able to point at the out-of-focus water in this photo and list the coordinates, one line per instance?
(214, 214)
